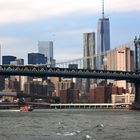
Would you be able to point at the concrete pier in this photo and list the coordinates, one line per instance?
(89, 106)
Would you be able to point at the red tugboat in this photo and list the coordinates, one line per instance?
(26, 108)
(23, 106)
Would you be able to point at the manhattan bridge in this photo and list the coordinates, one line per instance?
(41, 71)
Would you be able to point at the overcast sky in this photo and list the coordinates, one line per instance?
(24, 22)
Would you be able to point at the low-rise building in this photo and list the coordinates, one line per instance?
(124, 98)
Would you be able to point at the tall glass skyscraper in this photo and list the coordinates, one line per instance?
(88, 58)
(103, 38)
(46, 48)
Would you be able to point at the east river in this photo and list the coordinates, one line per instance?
(70, 124)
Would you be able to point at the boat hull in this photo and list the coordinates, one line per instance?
(26, 108)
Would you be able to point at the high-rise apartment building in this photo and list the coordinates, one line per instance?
(88, 57)
(121, 59)
(89, 50)
(103, 39)
(46, 48)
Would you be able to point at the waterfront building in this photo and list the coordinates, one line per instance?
(39, 89)
(88, 57)
(55, 81)
(18, 61)
(65, 83)
(28, 88)
(14, 85)
(50, 88)
(7, 59)
(103, 94)
(36, 58)
(68, 92)
(23, 80)
(2, 82)
(46, 48)
(69, 96)
(124, 98)
(100, 94)
(63, 96)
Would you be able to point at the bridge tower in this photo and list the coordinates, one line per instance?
(137, 68)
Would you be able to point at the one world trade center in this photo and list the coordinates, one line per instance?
(103, 39)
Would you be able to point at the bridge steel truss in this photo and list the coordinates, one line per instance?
(40, 71)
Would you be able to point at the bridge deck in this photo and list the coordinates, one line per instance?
(39, 71)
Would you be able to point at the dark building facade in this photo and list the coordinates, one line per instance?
(36, 58)
(7, 59)
(35, 89)
(73, 66)
(2, 84)
(103, 94)
(38, 89)
(69, 95)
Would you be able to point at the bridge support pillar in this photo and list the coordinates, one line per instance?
(137, 92)
(136, 104)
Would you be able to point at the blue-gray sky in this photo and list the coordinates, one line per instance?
(24, 22)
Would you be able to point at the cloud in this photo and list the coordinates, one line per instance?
(74, 32)
(122, 6)
(68, 56)
(12, 45)
(11, 40)
(28, 10)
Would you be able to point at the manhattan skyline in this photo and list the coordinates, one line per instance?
(23, 23)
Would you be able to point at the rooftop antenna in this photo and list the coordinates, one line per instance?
(103, 9)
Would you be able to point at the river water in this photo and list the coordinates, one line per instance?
(70, 124)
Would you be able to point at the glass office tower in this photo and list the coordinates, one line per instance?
(46, 48)
(103, 40)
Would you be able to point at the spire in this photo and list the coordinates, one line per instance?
(103, 9)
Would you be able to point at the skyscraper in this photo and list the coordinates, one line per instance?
(88, 57)
(46, 48)
(122, 59)
(103, 38)
(89, 50)
(36, 58)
